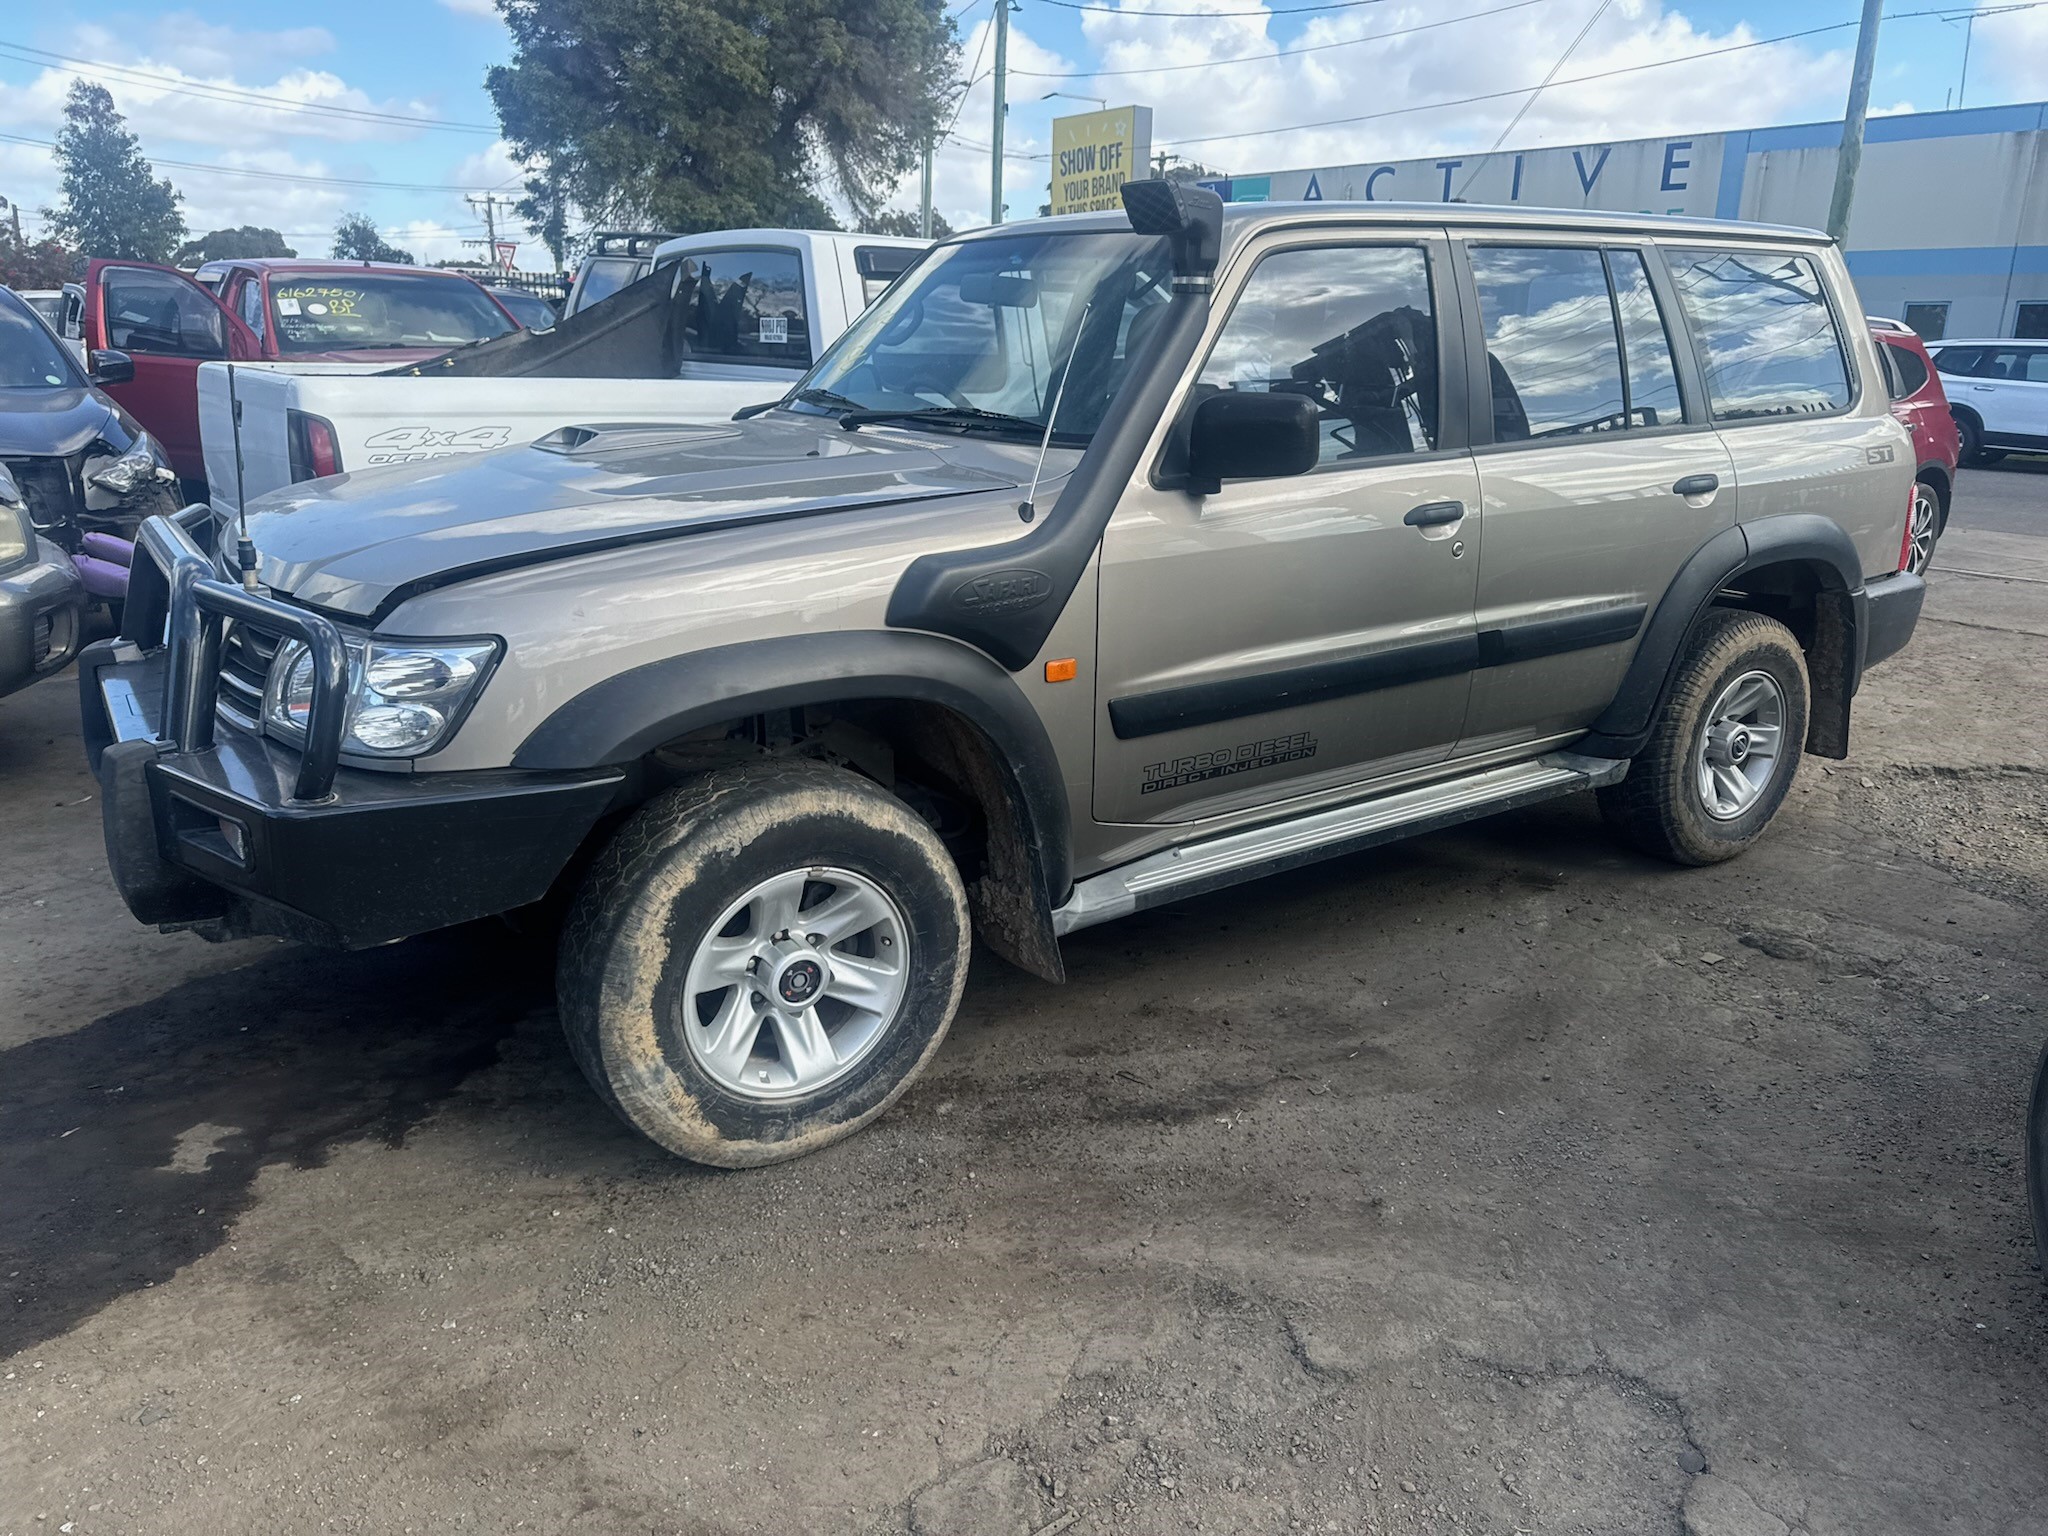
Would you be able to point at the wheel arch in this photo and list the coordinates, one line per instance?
(955, 708)
(1801, 569)
(1938, 475)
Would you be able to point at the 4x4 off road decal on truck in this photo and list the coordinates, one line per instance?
(1198, 766)
(404, 445)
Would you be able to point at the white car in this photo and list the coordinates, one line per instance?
(724, 320)
(1998, 390)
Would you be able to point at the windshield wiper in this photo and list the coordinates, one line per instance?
(828, 399)
(943, 415)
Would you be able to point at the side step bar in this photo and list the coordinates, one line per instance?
(1175, 873)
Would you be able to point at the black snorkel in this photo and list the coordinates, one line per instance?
(1005, 598)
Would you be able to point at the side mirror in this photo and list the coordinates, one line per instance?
(1240, 435)
(110, 367)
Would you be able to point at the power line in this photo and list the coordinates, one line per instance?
(1280, 53)
(235, 95)
(1295, 10)
(1605, 74)
(1522, 111)
(288, 176)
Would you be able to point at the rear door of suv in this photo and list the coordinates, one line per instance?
(1284, 636)
(1599, 472)
(2006, 384)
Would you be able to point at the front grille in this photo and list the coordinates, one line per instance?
(246, 653)
(51, 488)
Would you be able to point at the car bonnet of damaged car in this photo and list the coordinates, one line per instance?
(83, 464)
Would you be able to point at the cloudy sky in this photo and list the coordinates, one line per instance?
(380, 106)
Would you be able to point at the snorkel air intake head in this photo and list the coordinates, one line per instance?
(1191, 218)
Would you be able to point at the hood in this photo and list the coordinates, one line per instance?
(361, 543)
(60, 421)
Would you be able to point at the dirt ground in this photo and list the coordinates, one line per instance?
(1501, 1181)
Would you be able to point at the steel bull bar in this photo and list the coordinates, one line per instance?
(177, 595)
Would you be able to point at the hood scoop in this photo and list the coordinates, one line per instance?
(612, 437)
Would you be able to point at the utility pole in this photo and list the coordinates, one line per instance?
(488, 204)
(1161, 163)
(924, 222)
(1002, 110)
(1851, 158)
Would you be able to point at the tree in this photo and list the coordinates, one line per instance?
(356, 239)
(908, 222)
(33, 263)
(226, 244)
(707, 114)
(113, 204)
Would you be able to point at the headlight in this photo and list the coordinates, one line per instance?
(134, 469)
(16, 537)
(404, 699)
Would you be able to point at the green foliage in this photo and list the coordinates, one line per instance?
(906, 222)
(113, 205)
(691, 115)
(226, 244)
(356, 239)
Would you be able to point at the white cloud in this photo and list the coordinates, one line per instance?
(484, 8)
(2009, 56)
(1204, 110)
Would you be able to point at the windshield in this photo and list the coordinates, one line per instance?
(350, 312)
(30, 357)
(990, 326)
(604, 276)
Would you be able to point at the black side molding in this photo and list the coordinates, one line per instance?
(1177, 709)
(627, 716)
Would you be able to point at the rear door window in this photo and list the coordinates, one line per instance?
(1553, 353)
(161, 313)
(744, 306)
(879, 266)
(1351, 328)
(1963, 362)
(1767, 339)
(1912, 372)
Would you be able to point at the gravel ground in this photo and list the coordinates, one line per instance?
(1499, 1181)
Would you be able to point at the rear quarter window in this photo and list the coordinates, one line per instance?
(1767, 338)
(745, 306)
(1912, 372)
(1961, 361)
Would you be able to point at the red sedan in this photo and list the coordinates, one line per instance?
(1919, 401)
(148, 328)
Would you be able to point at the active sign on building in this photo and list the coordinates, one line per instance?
(1095, 153)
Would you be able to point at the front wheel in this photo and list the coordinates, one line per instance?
(762, 961)
(1721, 758)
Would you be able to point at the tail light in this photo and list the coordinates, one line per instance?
(314, 449)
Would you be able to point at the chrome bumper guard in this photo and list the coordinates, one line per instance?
(176, 599)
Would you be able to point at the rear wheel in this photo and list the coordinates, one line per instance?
(762, 961)
(1722, 755)
(1925, 529)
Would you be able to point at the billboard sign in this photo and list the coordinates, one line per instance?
(1095, 153)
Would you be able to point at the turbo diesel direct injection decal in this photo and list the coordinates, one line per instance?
(1198, 766)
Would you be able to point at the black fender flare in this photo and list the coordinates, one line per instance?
(623, 718)
(1804, 538)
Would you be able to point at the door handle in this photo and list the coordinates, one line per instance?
(1697, 485)
(1984, 389)
(1432, 514)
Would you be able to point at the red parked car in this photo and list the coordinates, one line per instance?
(267, 310)
(1919, 401)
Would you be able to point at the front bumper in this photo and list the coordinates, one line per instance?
(42, 619)
(212, 826)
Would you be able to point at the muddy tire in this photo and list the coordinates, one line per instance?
(762, 960)
(1724, 751)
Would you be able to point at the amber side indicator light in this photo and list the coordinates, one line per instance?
(1064, 670)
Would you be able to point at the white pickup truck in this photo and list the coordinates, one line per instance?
(723, 321)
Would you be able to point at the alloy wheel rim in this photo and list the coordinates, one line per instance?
(796, 984)
(1920, 550)
(1740, 745)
